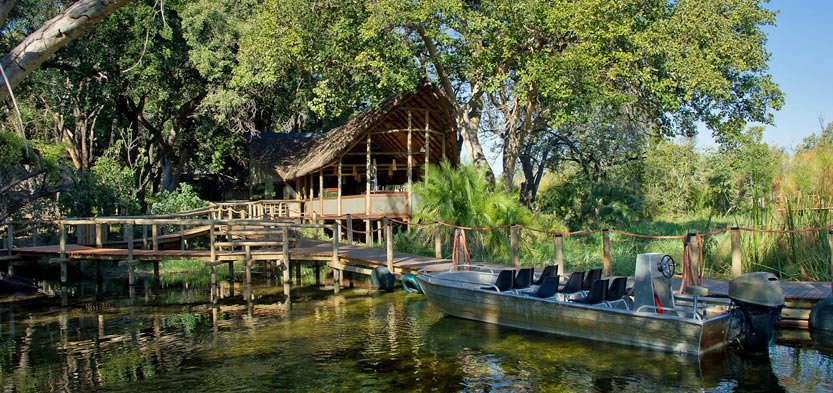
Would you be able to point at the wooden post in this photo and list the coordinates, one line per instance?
(181, 237)
(335, 258)
(231, 271)
(247, 262)
(388, 243)
(338, 197)
(99, 235)
(321, 190)
(317, 274)
(438, 243)
(63, 248)
(513, 242)
(367, 180)
(156, 279)
(606, 250)
(695, 257)
(427, 148)
(559, 253)
(131, 279)
(349, 229)
(410, 162)
(34, 236)
(144, 236)
(285, 255)
(379, 230)
(154, 233)
(737, 261)
(314, 222)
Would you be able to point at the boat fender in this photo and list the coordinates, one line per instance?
(382, 278)
(411, 284)
(821, 316)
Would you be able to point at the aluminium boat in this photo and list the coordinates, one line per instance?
(649, 315)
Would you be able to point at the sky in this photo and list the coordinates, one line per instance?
(802, 66)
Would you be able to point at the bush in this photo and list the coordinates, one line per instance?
(177, 201)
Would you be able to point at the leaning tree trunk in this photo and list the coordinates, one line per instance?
(53, 35)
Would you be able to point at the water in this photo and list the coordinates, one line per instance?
(175, 339)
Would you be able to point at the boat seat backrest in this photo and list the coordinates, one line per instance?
(662, 291)
(548, 271)
(617, 288)
(591, 276)
(547, 288)
(597, 294)
(573, 283)
(505, 280)
(523, 278)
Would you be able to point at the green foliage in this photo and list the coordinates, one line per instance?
(111, 173)
(180, 200)
(462, 197)
(87, 197)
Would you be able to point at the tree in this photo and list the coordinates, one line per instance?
(55, 33)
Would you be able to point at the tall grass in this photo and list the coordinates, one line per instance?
(803, 256)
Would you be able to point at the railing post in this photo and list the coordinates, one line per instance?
(128, 228)
(513, 241)
(144, 236)
(349, 229)
(315, 222)
(694, 246)
(388, 243)
(438, 242)
(737, 257)
(63, 248)
(154, 234)
(336, 237)
(559, 253)
(181, 237)
(606, 250)
(287, 277)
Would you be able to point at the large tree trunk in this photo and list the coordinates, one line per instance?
(53, 35)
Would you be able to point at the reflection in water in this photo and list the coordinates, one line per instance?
(241, 337)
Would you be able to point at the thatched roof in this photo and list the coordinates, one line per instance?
(295, 155)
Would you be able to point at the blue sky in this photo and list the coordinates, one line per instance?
(802, 65)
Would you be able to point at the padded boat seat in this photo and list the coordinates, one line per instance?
(523, 278)
(547, 288)
(591, 277)
(505, 280)
(573, 283)
(548, 271)
(598, 293)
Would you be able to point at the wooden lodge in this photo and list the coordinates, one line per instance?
(365, 168)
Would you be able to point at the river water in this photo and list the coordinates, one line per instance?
(181, 337)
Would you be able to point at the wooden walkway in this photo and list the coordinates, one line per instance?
(357, 257)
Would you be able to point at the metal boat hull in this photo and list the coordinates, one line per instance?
(465, 299)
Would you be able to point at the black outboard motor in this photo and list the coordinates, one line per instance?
(759, 299)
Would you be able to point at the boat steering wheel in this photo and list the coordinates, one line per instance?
(667, 266)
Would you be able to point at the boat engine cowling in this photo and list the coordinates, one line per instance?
(759, 299)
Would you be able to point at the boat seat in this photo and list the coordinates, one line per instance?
(523, 278)
(598, 293)
(505, 280)
(573, 284)
(616, 291)
(591, 277)
(548, 271)
(547, 288)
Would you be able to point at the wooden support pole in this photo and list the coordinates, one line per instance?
(513, 242)
(388, 244)
(248, 263)
(695, 258)
(144, 236)
(156, 279)
(99, 235)
(438, 242)
(128, 229)
(316, 230)
(317, 274)
(427, 148)
(181, 237)
(559, 253)
(231, 271)
(62, 241)
(349, 230)
(338, 197)
(367, 181)
(606, 250)
(335, 258)
(298, 272)
(737, 257)
(34, 236)
(379, 232)
(285, 256)
(154, 233)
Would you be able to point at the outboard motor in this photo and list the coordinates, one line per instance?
(759, 299)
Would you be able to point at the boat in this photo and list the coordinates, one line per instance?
(15, 285)
(649, 315)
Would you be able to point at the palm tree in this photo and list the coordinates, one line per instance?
(462, 197)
